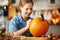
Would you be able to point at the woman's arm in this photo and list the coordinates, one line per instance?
(21, 31)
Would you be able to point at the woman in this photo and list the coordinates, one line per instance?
(20, 24)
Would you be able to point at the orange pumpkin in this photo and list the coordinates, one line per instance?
(55, 13)
(38, 27)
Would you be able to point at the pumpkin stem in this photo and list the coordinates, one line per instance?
(42, 17)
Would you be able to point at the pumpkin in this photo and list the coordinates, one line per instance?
(39, 26)
(55, 16)
(55, 13)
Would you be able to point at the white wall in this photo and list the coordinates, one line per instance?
(44, 4)
(40, 4)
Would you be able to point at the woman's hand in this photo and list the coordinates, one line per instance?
(28, 23)
(21, 31)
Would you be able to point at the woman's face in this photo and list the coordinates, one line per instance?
(26, 10)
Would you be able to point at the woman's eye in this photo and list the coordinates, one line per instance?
(30, 8)
(27, 9)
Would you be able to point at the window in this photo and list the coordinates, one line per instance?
(13, 1)
(52, 1)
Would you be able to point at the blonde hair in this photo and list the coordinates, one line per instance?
(23, 2)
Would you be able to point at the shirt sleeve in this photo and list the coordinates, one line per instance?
(12, 25)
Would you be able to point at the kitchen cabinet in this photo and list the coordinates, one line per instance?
(11, 11)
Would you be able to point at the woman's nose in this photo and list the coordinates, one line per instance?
(29, 11)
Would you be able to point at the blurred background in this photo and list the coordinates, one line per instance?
(49, 8)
